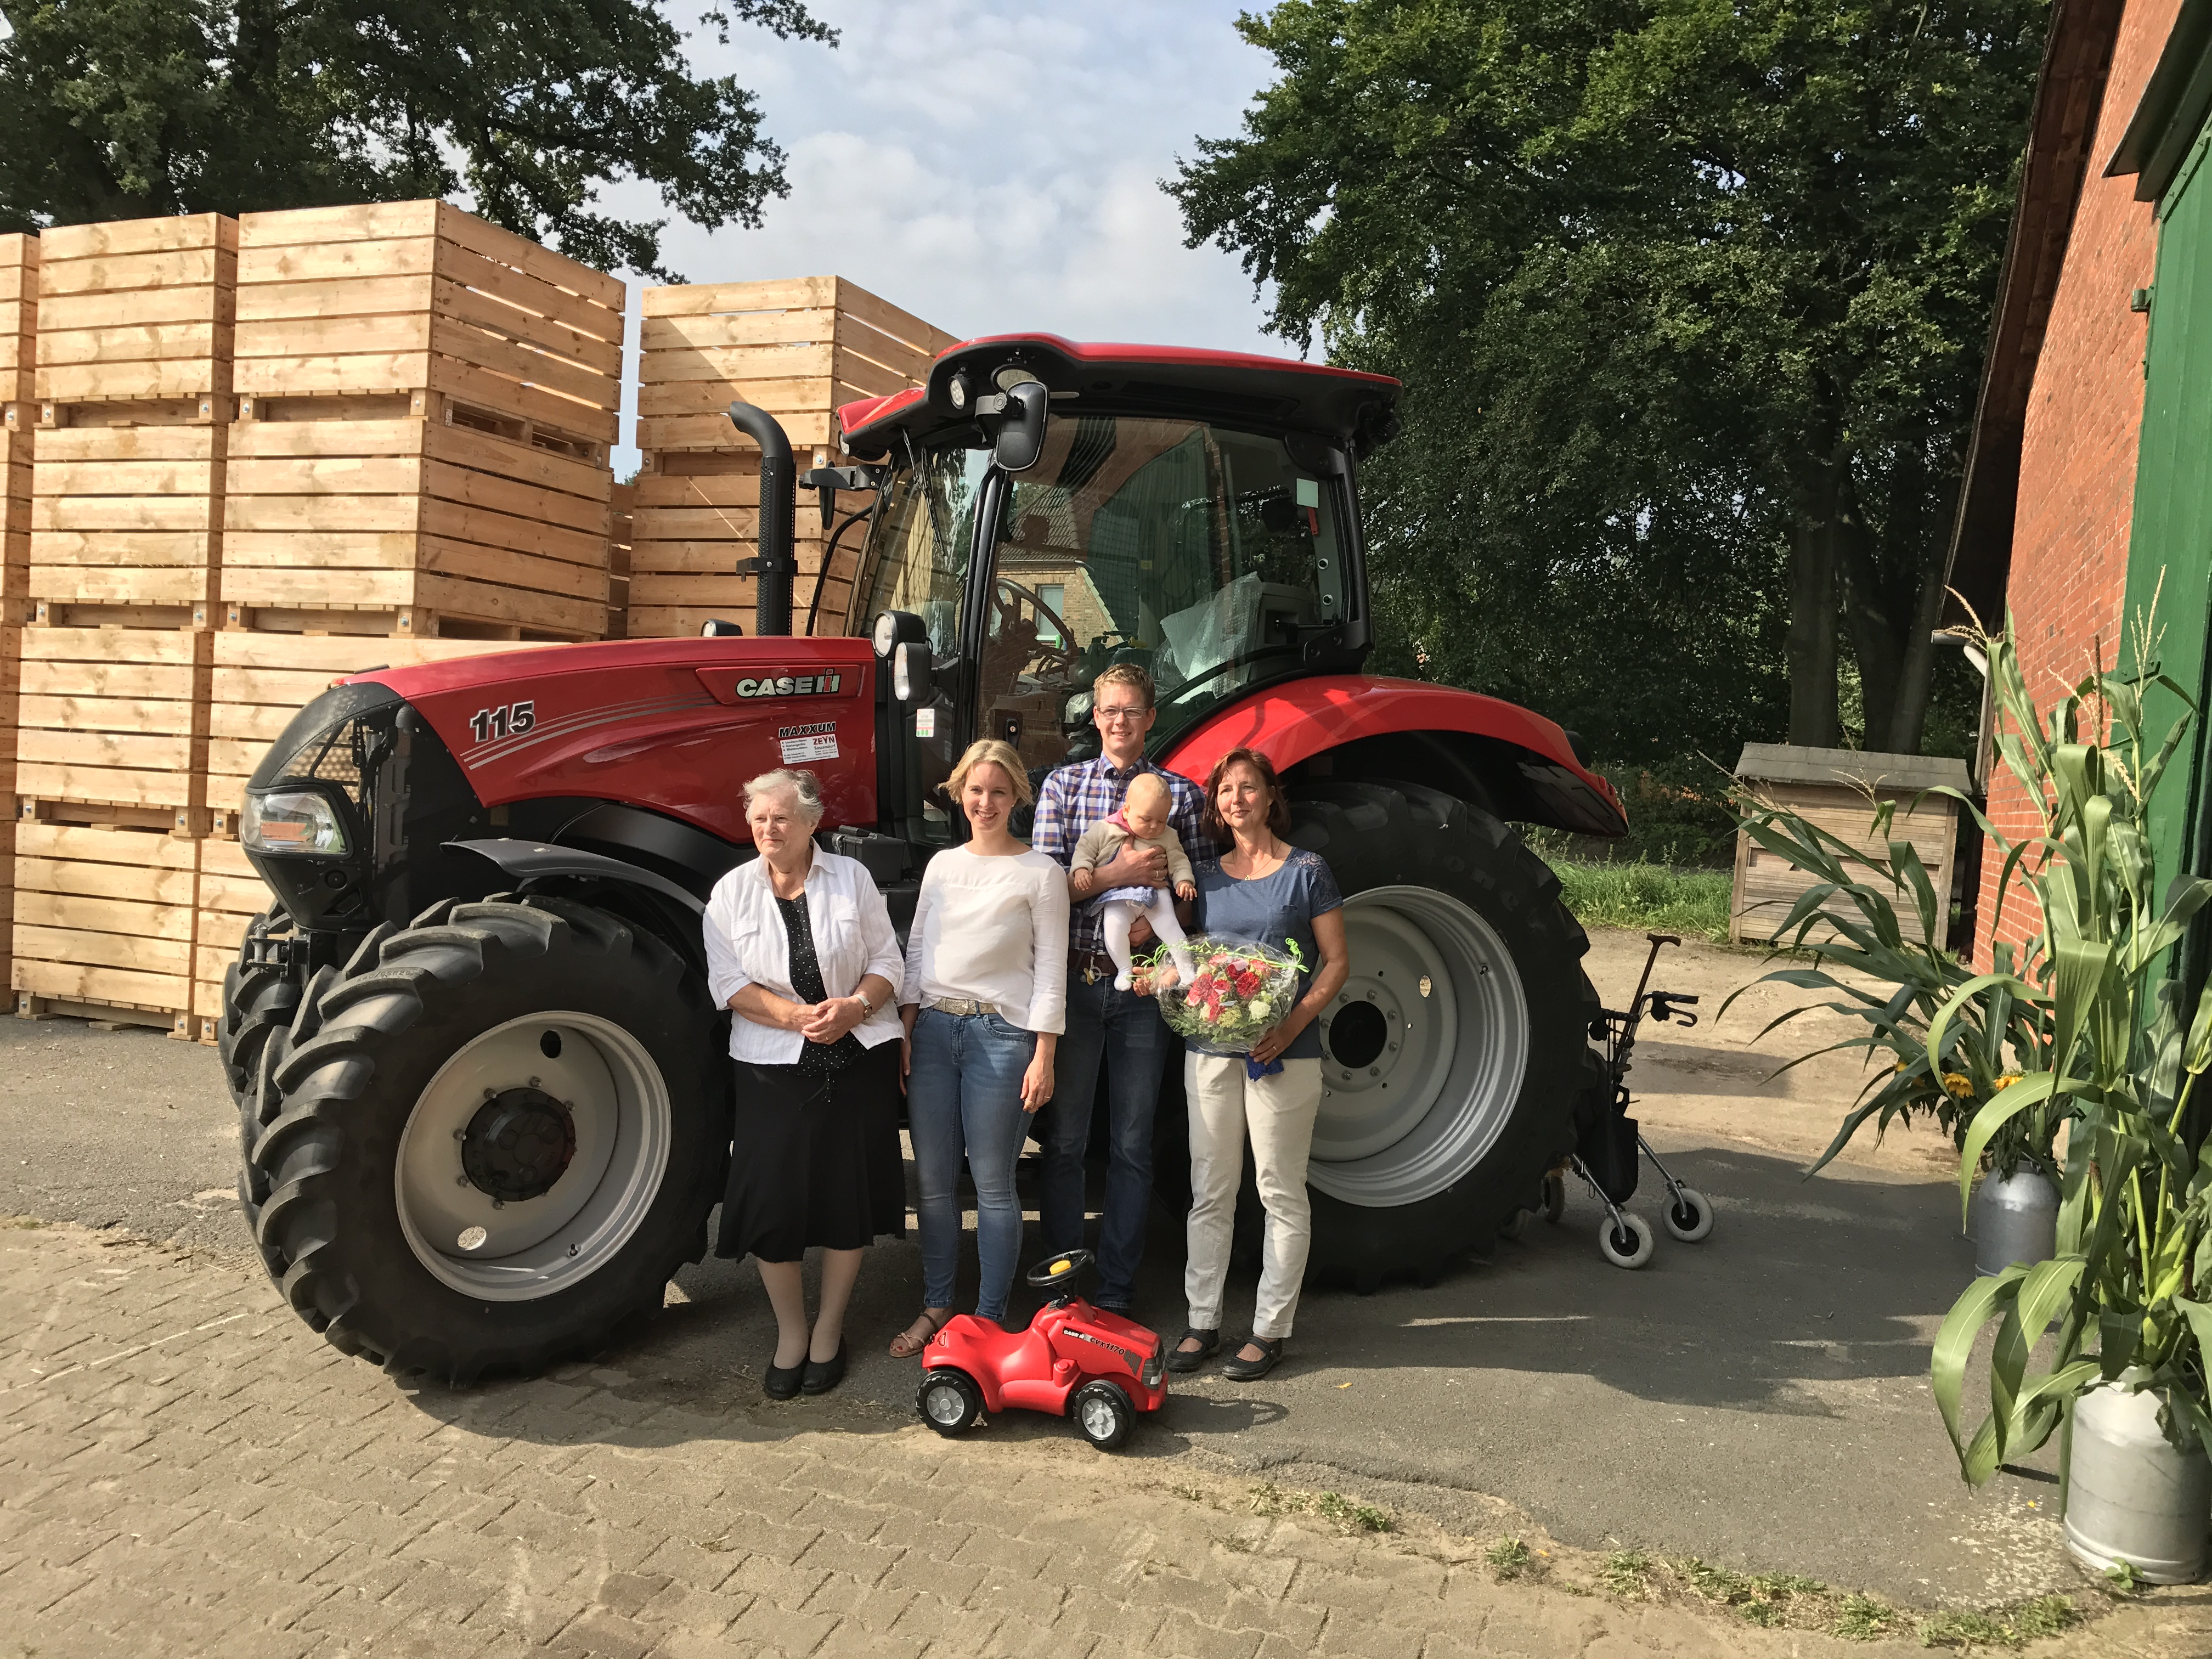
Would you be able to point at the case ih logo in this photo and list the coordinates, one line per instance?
(790, 686)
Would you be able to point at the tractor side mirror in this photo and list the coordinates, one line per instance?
(1021, 430)
(913, 677)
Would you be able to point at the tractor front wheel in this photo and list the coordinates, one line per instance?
(499, 1133)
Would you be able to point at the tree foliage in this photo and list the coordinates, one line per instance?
(120, 109)
(1690, 298)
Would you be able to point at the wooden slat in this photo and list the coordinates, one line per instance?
(62, 244)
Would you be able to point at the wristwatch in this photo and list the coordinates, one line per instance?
(862, 996)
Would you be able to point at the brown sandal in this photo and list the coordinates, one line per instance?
(906, 1344)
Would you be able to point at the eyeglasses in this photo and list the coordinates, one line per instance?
(1129, 712)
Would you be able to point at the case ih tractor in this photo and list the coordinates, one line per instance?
(485, 1097)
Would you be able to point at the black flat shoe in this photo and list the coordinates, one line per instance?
(824, 1375)
(1240, 1369)
(1182, 1360)
(781, 1381)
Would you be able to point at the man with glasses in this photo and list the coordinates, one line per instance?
(1119, 1028)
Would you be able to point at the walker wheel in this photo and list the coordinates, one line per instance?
(949, 1401)
(1690, 1216)
(1629, 1244)
(1103, 1413)
(1555, 1197)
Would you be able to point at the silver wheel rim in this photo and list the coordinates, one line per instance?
(1423, 1051)
(1099, 1417)
(536, 1247)
(943, 1403)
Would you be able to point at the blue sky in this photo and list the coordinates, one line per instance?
(992, 166)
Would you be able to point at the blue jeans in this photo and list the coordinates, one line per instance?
(964, 1099)
(1124, 1030)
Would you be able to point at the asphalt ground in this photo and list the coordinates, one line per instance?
(1758, 1400)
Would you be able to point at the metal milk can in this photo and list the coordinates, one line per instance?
(2129, 1495)
(2014, 1219)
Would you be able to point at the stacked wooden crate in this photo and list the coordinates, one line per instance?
(19, 325)
(132, 385)
(426, 405)
(797, 349)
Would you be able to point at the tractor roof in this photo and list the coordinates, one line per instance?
(1341, 403)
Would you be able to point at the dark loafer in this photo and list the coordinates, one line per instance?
(824, 1375)
(781, 1381)
(1209, 1345)
(1240, 1369)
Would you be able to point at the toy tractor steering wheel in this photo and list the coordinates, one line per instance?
(1059, 1270)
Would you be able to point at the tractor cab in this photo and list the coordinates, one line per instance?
(1194, 512)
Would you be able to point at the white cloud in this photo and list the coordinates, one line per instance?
(992, 166)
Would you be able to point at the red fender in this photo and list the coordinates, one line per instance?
(1525, 759)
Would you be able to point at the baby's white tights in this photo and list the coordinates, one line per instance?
(1160, 912)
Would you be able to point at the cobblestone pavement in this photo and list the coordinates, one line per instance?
(185, 1469)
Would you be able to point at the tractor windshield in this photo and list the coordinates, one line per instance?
(1209, 556)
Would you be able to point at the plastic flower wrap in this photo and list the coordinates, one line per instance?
(1239, 991)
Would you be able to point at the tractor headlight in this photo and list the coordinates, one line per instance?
(291, 821)
(1156, 1367)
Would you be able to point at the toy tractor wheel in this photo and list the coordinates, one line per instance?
(1103, 1414)
(949, 1401)
(1456, 1066)
(499, 1132)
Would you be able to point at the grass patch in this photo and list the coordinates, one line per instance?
(1648, 898)
(1628, 1573)
(1510, 1556)
(2015, 1627)
(1863, 1619)
(1347, 1514)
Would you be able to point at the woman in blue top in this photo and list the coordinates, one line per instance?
(1269, 892)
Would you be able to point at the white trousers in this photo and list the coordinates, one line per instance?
(1120, 914)
(1276, 1113)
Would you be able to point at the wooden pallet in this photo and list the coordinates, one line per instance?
(126, 506)
(103, 923)
(18, 317)
(113, 727)
(421, 511)
(799, 348)
(259, 681)
(137, 311)
(419, 297)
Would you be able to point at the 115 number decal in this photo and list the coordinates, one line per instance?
(509, 720)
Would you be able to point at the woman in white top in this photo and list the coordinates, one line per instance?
(985, 1002)
(801, 949)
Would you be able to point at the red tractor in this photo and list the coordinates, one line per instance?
(485, 1096)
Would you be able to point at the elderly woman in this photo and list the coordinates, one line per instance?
(985, 1003)
(799, 948)
(1267, 891)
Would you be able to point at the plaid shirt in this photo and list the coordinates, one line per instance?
(1076, 797)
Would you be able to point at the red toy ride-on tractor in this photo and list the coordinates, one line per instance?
(1074, 1360)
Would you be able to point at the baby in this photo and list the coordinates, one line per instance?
(1143, 819)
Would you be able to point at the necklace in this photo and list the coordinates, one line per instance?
(1276, 852)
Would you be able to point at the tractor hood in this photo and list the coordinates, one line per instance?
(672, 726)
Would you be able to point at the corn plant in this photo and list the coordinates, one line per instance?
(1846, 921)
(2116, 1064)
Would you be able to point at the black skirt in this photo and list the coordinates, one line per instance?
(815, 1160)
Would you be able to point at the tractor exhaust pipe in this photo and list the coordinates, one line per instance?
(777, 567)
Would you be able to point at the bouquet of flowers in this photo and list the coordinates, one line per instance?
(1238, 991)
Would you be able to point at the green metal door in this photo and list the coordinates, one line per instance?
(2170, 547)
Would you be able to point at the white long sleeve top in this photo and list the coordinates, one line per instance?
(993, 930)
(747, 944)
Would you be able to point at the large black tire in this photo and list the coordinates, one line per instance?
(257, 999)
(1402, 836)
(465, 984)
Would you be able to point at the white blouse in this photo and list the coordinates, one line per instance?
(992, 930)
(747, 944)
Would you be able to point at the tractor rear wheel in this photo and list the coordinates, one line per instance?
(1456, 1064)
(498, 1135)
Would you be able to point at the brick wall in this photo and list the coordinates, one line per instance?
(2077, 472)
